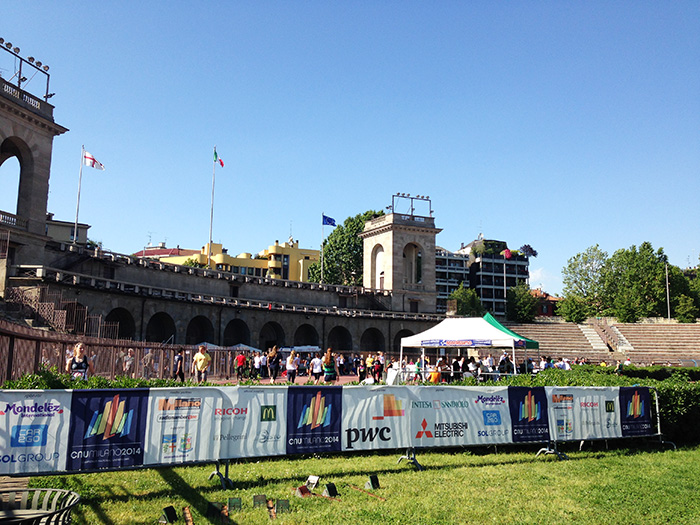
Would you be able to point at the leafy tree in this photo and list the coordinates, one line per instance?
(574, 309)
(528, 251)
(342, 253)
(635, 283)
(193, 263)
(583, 277)
(686, 311)
(521, 305)
(93, 245)
(468, 302)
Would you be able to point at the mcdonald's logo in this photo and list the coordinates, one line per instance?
(268, 413)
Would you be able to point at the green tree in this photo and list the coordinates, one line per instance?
(583, 277)
(573, 309)
(686, 311)
(468, 302)
(193, 263)
(342, 253)
(634, 283)
(521, 305)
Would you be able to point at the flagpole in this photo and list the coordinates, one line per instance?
(77, 206)
(211, 214)
(323, 236)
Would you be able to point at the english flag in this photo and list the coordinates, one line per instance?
(89, 160)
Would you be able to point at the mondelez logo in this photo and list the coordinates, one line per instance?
(268, 413)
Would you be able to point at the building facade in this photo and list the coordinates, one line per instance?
(279, 261)
(487, 266)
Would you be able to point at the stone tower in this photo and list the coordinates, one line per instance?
(399, 256)
(27, 130)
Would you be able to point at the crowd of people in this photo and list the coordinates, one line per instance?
(327, 367)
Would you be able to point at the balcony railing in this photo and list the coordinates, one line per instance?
(25, 99)
(9, 219)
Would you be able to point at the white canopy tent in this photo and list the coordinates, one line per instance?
(467, 332)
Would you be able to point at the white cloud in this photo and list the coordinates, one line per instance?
(541, 278)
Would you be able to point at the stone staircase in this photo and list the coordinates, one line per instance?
(560, 339)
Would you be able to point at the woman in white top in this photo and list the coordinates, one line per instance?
(317, 368)
(292, 364)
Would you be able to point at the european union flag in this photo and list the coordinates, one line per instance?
(328, 221)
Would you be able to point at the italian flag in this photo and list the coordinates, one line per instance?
(217, 158)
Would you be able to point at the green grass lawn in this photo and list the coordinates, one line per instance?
(618, 486)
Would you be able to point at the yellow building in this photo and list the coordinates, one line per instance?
(279, 261)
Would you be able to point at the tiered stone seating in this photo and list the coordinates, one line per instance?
(560, 340)
(662, 343)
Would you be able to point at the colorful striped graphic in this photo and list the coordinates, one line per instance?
(316, 413)
(529, 409)
(392, 407)
(111, 421)
(635, 407)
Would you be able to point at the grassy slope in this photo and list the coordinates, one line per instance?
(616, 486)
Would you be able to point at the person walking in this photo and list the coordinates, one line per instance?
(179, 366)
(292, 366)
(200, 364)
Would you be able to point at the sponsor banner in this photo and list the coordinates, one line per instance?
(457, 342)
(528, 414)
(182, 425)
(451, 416)
(33, 430)
(635, 411)
(107, 429)
(253, 422)
(375, 417)
(577, 413)
(314, 416)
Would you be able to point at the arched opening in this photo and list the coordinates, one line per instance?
(306, 335)
(271, 334)
(339, 339)
(127, 327)
(236, 332)
(396, 347)
(200, 330)
(372, 341)
(21, 201)
(412, 264)
(161, 328)
(378, 267)
(9, 182)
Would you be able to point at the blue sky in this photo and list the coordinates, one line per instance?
(556, 124)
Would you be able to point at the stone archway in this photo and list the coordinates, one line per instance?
(271, 334)
(127, 327)
(396, 346)
(200, 330)
(9, 181)
(236, 332)
(340, 339)
(306, 335)
(161, 328)
(372, 340)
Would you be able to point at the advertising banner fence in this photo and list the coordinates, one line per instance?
(43, 432)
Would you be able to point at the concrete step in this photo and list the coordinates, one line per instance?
(592, 336)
